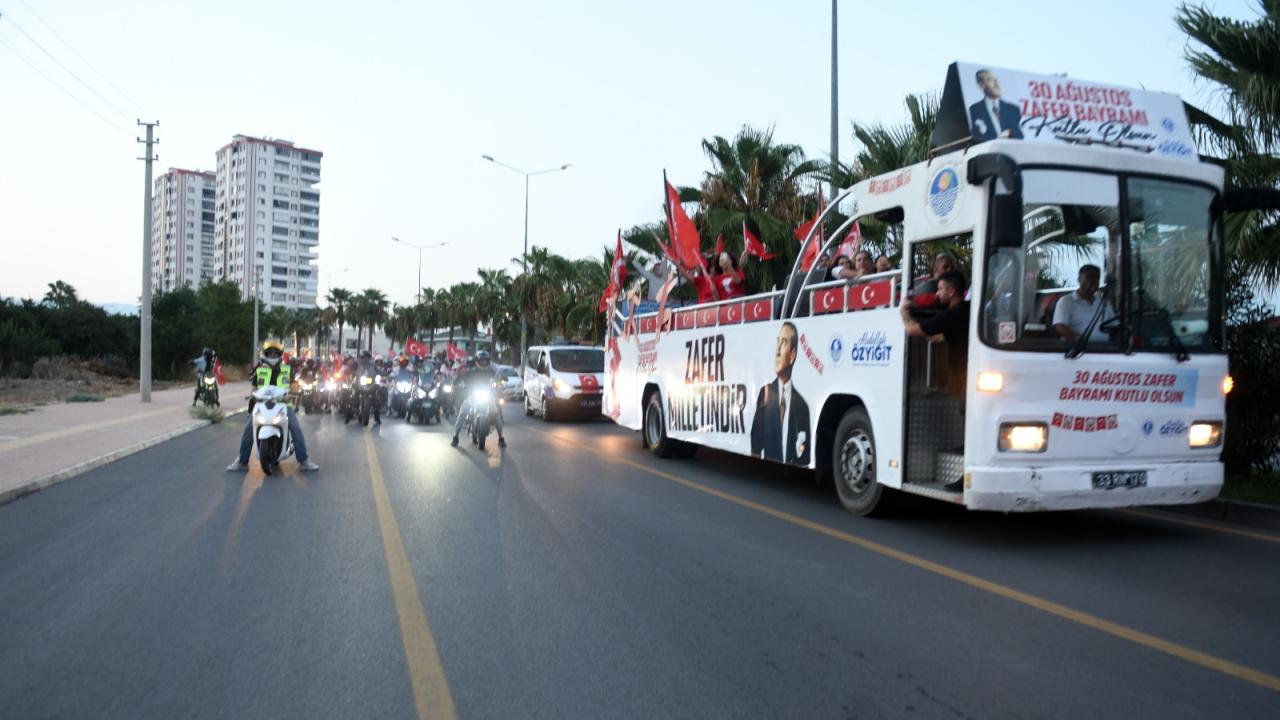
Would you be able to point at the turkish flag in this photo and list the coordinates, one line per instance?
(829, 300)
(811, 251)
(719, 247)
(731, 314)
(685, 320)
(589, 383)
(871, 295)
(617, 275)
(649, 323)
(415, 348)
(852, 242)
(758, 310)
(684, 234)
(707, 317)
(753, 244)
(217, 371)
(454, 352)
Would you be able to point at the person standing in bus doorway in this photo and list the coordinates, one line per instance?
(780, 428)
(991, 117)
(951, 325)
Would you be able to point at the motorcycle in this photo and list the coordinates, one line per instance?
(424, 405)
(448, 403)
(207, 387)
(401, 393)
(483, 413)
(367, 392)
(308, 394)
(328, 394)
(271, 427)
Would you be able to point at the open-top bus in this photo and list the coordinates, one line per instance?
(823, 374)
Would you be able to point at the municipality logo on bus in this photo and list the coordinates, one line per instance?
(836, 346)
(872, 348)
(944, 192)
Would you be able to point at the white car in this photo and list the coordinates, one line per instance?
(512, 386)
(562, 380)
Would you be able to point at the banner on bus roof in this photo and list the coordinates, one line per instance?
(981, 103)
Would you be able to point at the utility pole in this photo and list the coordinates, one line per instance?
(257, 277)
(835, 100)
(144, 352)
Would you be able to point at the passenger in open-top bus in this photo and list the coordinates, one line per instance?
(883, 263)
(926, 289)
(1073, 313)
(862, 264)
(730, 282)
(655, 275)
(842, 269)
(951, 325)
(702, 284)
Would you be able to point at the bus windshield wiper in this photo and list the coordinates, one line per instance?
(1077, 348)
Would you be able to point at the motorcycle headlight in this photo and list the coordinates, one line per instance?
(483, 395)
(366, 380)
(208, 381)
(403, 387)
(277, 420)
(433, 394)
(448, 388)
(420, 393)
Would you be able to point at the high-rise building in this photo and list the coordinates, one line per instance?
(267, 220)
(182, 230)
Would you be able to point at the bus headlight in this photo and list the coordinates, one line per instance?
(990, 381)
(1204, 434)
(1024, 437)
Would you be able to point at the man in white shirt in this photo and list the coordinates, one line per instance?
(654, 277)
(1073, 312)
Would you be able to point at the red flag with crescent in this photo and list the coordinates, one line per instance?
(754, 247)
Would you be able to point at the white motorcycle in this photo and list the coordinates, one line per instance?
(271, 427)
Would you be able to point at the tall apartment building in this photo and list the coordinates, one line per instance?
(267, 220)
(182, 230)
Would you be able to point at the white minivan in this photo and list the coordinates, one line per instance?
(563, 380)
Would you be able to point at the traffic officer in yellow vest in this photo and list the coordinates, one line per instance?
(273, 372)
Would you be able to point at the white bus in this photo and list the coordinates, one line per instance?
(1032, 178)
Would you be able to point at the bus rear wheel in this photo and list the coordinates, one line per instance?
(655, 428)
(853, 466)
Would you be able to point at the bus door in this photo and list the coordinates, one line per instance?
(934, 423)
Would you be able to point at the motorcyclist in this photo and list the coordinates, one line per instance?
(205, 363)
(482, 375)
(271, 371)
(369, 366)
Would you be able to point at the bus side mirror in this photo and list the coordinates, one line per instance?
(1006, 221)
(1246, 200)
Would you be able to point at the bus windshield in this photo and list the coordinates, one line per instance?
(1065, 287)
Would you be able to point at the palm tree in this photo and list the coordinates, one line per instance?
(1239, 58)
(324, 326)
(340, 300)
(428, 314)
(495, 287)
(373, 305)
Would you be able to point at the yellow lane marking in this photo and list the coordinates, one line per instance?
(426, 673)
(1271, 682)
(77, 429)
(1203, 525)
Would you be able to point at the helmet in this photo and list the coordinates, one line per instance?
(366, 355)
(272, 351)
(404, 360)
(482, 358)
(207, 352)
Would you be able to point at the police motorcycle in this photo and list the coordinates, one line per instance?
(271, 427)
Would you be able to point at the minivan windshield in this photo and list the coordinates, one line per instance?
(1065, 286)
(583, 360)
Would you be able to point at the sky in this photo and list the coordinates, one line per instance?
(404, 98)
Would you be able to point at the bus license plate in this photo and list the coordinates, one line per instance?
(1120, 479)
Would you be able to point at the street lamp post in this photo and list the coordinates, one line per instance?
(524, 257)
(329, 276)
(420, 248)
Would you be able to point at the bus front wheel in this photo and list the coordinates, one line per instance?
(853, 466)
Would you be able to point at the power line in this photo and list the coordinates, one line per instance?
(84, 60)
(53, 82)
(68, 70)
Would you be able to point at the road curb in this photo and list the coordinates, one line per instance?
(52, 479)
(1234, 512)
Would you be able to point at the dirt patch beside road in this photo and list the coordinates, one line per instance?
(55, 380)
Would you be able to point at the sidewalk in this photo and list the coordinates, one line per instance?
(57, 442)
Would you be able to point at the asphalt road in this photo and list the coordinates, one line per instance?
(573, 576)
